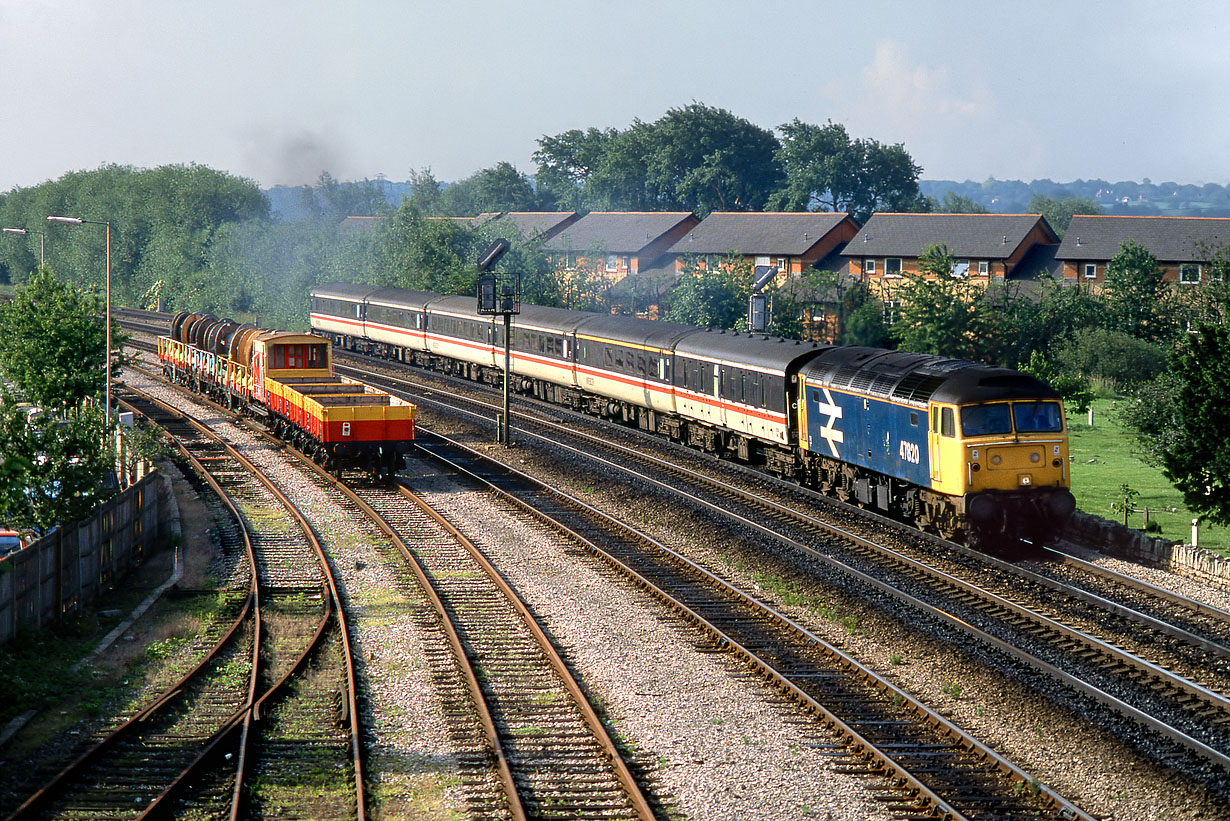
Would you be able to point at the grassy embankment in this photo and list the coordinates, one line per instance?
(1104, 461)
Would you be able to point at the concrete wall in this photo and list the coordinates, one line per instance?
(1122, 542)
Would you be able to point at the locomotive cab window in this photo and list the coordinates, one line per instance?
(948, 424)
(1037, 417)
(986, 420)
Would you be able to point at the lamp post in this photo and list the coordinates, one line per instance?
(107, 365)
(41, 237)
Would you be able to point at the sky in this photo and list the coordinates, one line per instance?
(279, 91)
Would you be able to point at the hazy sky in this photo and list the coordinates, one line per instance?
(279, 91)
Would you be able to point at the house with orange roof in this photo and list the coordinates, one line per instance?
(1183, 246)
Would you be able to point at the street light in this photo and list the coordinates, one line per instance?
(41, 237)
(107, 365)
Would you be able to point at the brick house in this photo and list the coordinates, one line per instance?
(985, 247)
(624, 249)
(791, 241)
(1183, 246)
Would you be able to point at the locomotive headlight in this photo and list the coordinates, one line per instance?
(1026, 480)
(1035, 457)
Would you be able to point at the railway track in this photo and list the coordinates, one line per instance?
(1165, 666)
(261, 725)
(1141, 653)
(543, 751)
(932, 766)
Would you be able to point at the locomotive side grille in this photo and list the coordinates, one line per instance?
(918, 387)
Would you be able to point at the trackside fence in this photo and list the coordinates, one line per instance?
(67, 569)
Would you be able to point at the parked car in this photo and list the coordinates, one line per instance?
(10, 542)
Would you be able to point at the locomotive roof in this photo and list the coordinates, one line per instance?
(758, 350)
(917, 378)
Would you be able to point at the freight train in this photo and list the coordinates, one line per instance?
(286, 380)
(957, 448)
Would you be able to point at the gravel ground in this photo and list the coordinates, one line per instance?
(719, 747)
(1042, 728)
(716, 741)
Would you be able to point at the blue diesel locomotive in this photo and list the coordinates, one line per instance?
(957, 448)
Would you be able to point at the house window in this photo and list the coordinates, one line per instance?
(612, 263)
(1189, 273)
(628, 264)
(869, 266)
(1091, 270)
(984, 268)
(960, 268)
(891, 308)
(782, 267)
(1215, 273)
(892, 267)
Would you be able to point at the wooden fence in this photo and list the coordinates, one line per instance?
(68, 568)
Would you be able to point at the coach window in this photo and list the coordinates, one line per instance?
(948, 422)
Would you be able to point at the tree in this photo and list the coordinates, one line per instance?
(712, 293)
(1110, 355)
(1059, 211)
(52, 343)
(425, 192)
(954, 203)
(1138, 300)
(865, 325)
(706, 159)
(826, 170)
(499, 188)
(1151, 413)
(567, 162)
(51, 468)
(1197, 461)
(1073, 389)
(697, 158)
(941, 313)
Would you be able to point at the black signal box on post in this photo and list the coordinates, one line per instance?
(499, 294)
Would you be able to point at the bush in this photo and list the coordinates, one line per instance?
(1102, 354)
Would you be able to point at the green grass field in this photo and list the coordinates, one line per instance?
(1103, 461)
